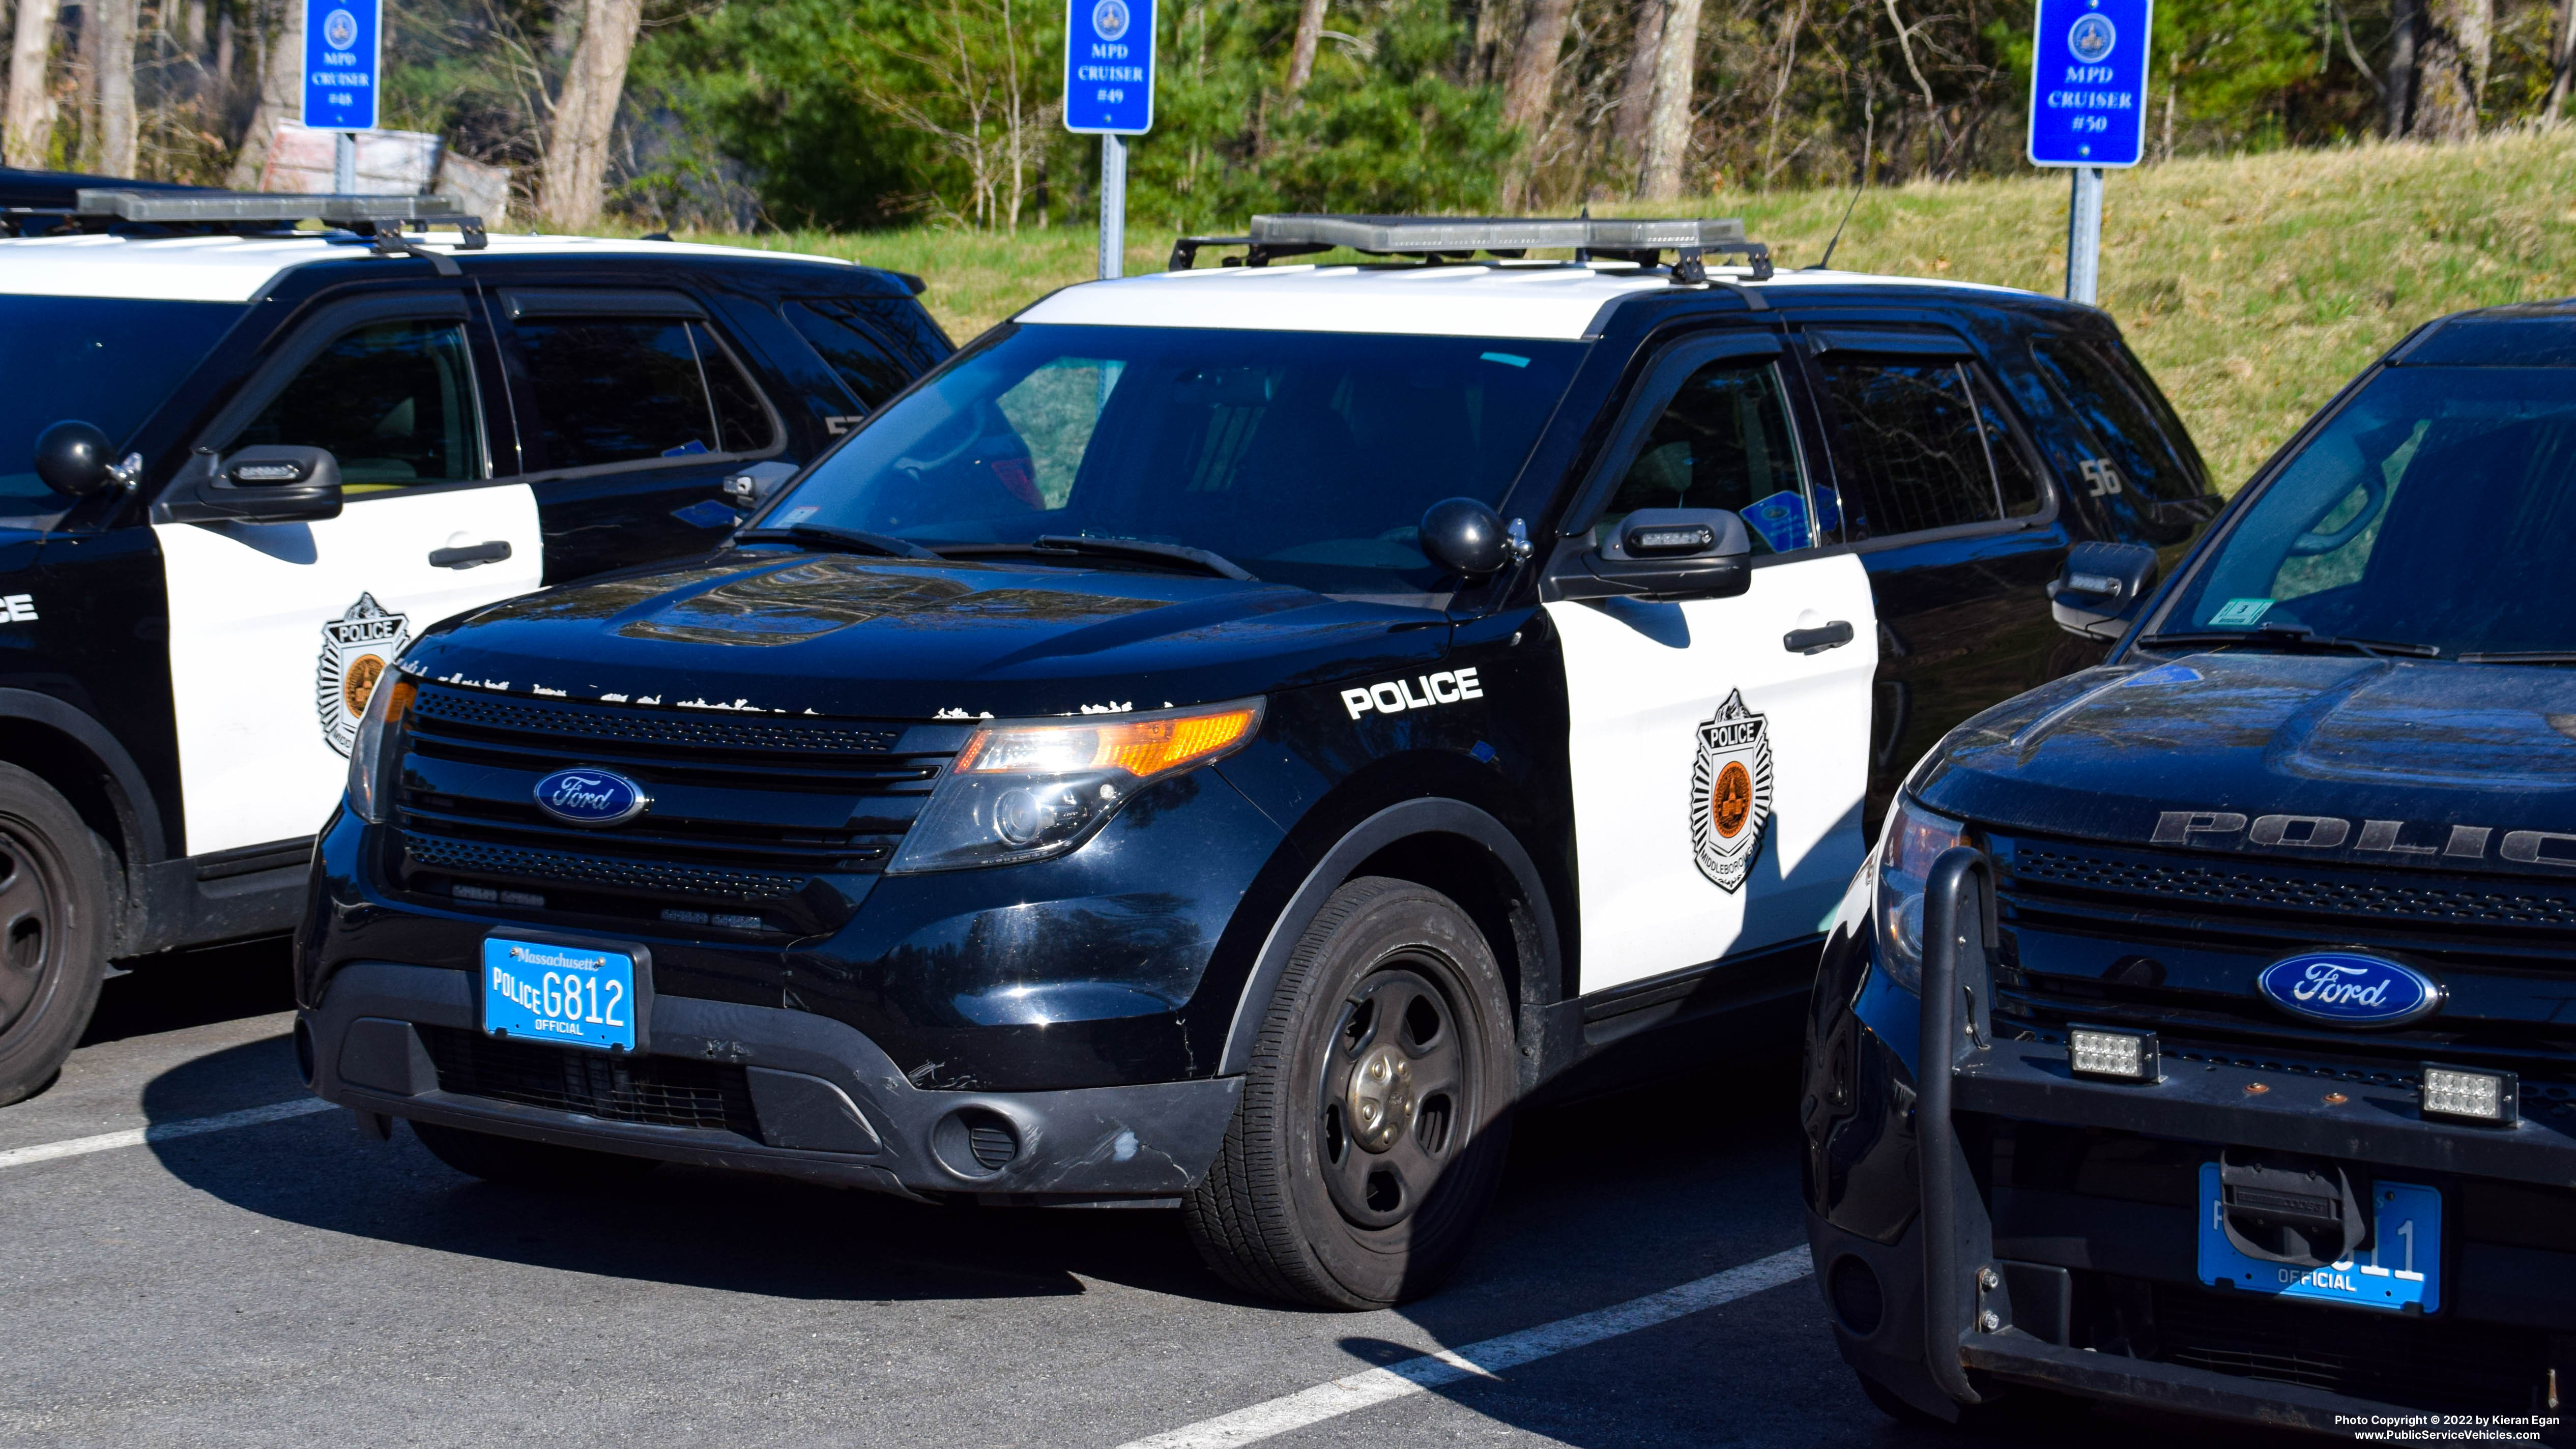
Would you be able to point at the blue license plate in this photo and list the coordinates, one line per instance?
(571, 995)
(2403, 1266)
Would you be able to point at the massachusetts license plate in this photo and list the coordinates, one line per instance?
(572, 995)
(2403, 1266)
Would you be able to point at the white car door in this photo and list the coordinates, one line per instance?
(1719, 746)
(279, 631)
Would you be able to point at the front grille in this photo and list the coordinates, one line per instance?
(2274, 889)
(659, 1091)
(759, 822)
(2390, 1358)
(480, 861)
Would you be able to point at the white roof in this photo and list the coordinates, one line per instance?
(1510, 299)
(236, 269)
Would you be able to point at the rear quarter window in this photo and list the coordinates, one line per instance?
(2117, 402)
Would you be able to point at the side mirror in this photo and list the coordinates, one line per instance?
(1662, 553)
(72, 458)
(1465, 537)
(2099, 593)
(267, 484)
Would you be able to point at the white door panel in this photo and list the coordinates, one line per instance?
(1647, 684)
(278, 631)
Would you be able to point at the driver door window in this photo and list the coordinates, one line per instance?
(393, 401)
(1724, 441)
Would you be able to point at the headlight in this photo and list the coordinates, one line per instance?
(1915, 838)
(1027, 791)
(377, 751)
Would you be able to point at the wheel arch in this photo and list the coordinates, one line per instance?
(1448, 845)
(72, 752)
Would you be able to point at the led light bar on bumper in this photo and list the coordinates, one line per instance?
(2461, 1094)
(1026, 791)
(2116, 1056)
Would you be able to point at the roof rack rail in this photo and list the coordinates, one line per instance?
(380, 219)
(1458, 238)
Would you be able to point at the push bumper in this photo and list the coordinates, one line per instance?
(796, 1094)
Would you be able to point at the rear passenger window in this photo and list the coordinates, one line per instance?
(620, 390)
(1922, 445)
(1722, 442)
(838, 330)
(2110, 392)
(394, 402)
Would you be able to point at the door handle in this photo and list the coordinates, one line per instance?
(1817, 640)
(475, 554)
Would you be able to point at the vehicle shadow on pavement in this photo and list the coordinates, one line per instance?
(740, 1233)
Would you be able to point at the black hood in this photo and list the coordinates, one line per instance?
(838, 634)
(2199, 751)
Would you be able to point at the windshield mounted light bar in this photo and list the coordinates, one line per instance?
(1458, 238)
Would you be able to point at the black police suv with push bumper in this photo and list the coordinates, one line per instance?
(1221, 741)
(242, 465)
(2197, 1035)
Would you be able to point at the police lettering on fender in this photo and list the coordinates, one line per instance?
(1398, 695)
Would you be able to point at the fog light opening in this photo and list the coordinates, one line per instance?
(2111, 1056)
(1859, 1300)
(2462, 1094)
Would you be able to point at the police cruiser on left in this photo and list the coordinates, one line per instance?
(242, 464)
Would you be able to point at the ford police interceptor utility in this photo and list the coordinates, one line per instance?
(240, 467)
(1227, 735)
(2202, 1034)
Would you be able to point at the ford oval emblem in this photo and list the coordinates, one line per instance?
(2348, 988)
(591, 797)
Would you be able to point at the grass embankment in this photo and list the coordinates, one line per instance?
(2252, 287)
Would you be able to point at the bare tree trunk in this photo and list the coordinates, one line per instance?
(1668, 122)
(586, 114)
(1531, 88)
(281, 96)
(1301, 56)
(2402, 25)
(113, 58)
(31, 111)
(2563, 58)
(2457, 45)
(1637, 83)
(223, 92)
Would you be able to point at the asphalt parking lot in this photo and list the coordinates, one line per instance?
(288, 1282)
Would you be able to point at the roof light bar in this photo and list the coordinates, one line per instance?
(240, 206)
(1639, 240)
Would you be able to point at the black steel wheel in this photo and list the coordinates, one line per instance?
(1372, 1125)
(518, 1162)
(55, 889)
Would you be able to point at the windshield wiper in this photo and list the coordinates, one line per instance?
(852, 540)
(2301, 637)
(1141, 549)
(2520, 656)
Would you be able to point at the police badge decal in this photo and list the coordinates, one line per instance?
(357, 649)
(1731, 792)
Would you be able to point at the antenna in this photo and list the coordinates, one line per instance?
(1821, 262)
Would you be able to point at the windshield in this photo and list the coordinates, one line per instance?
(2435, 510)
(108, 361)
(1304, 457)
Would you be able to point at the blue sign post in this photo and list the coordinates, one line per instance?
(1109, 93)
(343, 60)
(2088, 110)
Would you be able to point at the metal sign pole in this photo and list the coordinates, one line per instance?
(1113, 205)
(2084, 237)
(344, 162)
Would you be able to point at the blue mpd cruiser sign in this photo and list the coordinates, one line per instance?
(343, 57)
(1109, 67)
(2088, 82)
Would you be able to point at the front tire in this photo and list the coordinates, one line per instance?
(1373, 1122)
(537, 1166)
(55, 890)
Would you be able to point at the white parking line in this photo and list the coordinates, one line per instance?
(1485, 1359)
(163, 1131)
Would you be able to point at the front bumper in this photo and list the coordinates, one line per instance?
(776, 1091)
(1981, 1218)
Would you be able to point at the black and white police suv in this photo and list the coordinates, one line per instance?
(1227, 735)
(241, 466)
(2203, 1033)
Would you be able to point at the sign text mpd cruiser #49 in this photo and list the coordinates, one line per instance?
(1227, 737)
